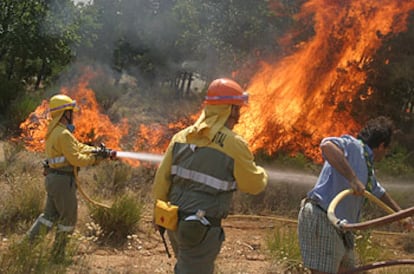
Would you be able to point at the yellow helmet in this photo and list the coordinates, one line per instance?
(60, 102)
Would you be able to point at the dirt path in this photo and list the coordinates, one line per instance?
(243, 252)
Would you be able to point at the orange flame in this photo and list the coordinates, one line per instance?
(92, 126)
(34, 128)
(308, 95)
(294, 103)
(155, 137)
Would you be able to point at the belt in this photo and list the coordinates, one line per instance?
(313, 202)
(213, 221)
(59, 172)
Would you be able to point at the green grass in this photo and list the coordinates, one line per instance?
(283, 246)
(22, 257)
(369, 249)
(365, 249)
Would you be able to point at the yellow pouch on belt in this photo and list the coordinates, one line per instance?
(166, 215)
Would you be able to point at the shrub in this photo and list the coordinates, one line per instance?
(11, 154)
(366, 250)
(120, 220)
(9, 91)
(23, 203)
(24, 257)
(111, 178)
(21, 107)
(395, 164)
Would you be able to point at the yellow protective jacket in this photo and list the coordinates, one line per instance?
(66, 151)
(209, 131)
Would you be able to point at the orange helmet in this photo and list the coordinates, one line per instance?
(225, 91)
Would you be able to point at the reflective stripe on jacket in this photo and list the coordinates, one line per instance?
(56, 160)
(65, 151)
(202, 178)
(250, 177)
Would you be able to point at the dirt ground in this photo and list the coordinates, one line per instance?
(243, 252)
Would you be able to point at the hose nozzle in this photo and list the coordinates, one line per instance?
(104, 152)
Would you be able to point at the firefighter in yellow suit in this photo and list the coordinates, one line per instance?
(64, 154)
(203, 165)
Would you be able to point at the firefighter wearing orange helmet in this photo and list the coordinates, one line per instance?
(203, 165)
(64, 154)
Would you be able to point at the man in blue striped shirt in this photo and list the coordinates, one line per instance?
(348, 164)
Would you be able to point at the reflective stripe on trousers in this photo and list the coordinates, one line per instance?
(65, 228)
(45, 221)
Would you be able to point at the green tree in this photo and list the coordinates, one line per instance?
(36, 41)
(225, 35)
(391, 77)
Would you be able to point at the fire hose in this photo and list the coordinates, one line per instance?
(141, 156)
(130, 155)
(344, 225)
(83, 193)
(379, 265)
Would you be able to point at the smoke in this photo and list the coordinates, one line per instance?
(156, 35)
(139, 28)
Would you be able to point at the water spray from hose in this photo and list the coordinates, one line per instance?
(141, 156)
(112, 154)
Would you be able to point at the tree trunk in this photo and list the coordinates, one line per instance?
(190, 79)
(10, 68)
(40, 74)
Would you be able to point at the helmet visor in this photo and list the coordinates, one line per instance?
(71, 105)
(234, 99)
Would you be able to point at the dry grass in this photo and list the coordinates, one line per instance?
(22, 200)
(283, 246)
(278, 198)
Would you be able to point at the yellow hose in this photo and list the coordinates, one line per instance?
(83, 193)
(342, 224)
